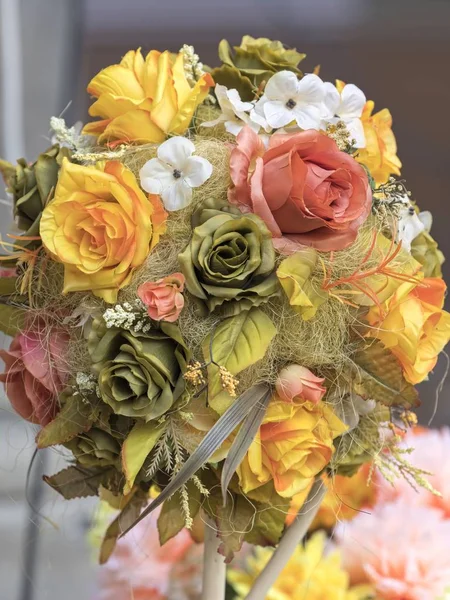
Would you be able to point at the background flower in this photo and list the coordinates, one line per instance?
(101, 226)
(35, 372)
(299, 382)
(425, 249)
(95, 448)
(230, 260)
(306, 190)
(140, 375)
(143, 100)
(175, 172)
(163, 298)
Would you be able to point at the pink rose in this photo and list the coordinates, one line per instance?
(296, 381)
(34, 373)
(307, 191)
(163, 298)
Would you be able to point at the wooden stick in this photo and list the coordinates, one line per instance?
(214, 567)
(289, 542)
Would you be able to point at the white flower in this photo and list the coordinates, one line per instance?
(287, 99)
(236, 113)
(175, 172)
(410, 225)
(346, 106)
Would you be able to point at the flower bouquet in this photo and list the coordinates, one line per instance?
(219, 293)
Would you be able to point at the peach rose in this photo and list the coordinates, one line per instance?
(163, 298)
(35, 373)
(307, 191)
(296, 381)
(413, 326)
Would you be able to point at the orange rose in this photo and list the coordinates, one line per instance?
(163, 298)
(413, 326)
(380, 153)
(101, 226)
(294, 443)
(307, 191)
(143, 100)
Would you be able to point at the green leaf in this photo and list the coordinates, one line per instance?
(121, 523)
(378, 375)
(171, 519)
(79, 482)
(238, 342)
(75, 417)
(11, 319)
(140, 442)
(210, 443)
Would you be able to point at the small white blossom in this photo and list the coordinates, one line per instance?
(409, 224)
(174, 173)
(70, 137)
(288, 99)
(346, 106)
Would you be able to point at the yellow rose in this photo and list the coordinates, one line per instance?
(311, 574)
(380, 153)
(413, 326)
(101, 226)
(143, 100)
(294, 443)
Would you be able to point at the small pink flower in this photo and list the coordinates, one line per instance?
(163, 298)
(296, 381)
(34, 372)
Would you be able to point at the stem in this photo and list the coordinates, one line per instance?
(214, 567)
(289, 542)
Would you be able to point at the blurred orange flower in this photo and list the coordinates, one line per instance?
(294, 443)
(143, 100)
(413, 326)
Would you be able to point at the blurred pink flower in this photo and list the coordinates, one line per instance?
(34, 372)
(163, 298)
(431, 453)
(404, 551)
(140, 569)
(296, 381)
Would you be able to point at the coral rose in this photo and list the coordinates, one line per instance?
(163, 298)
(101, 226)
(34, 372)
(296, 381)
(413, 326)
(143, 100)
(294, 443)
(307, 191)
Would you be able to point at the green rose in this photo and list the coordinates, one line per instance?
(140, 375)
(425, 250)
(253, 62)
(95, 448)
(230, 260)
(32, 187)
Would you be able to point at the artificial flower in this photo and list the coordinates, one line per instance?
(144, 100)
(140, 375)
(253, 63)
(100, 226)
(310, 574)
(427, 450)
(163, 298)
(425, 249)
(402, 550)
(409, 225)
(174, 173)
(414, 326)
(36, 372)
(95, 448)
(288, 99)
(380, 152)
(297, 382)
(230, 260)
(345, 103)
(305, 189)
(294, 443)
(234, 112)
(32, 187)
(140, 568)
